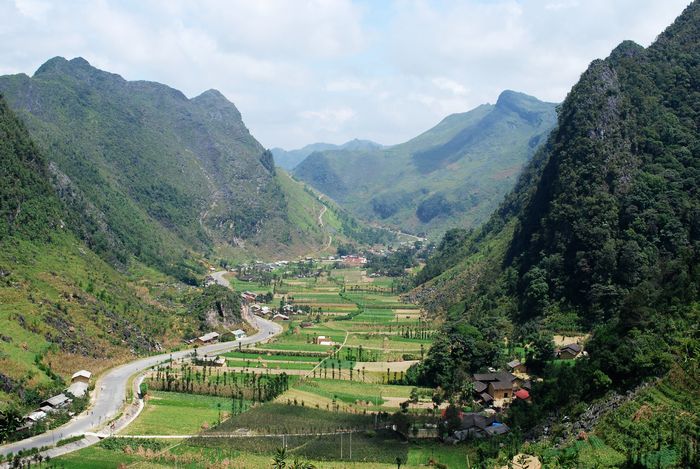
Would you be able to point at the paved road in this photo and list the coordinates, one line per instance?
(110, 389)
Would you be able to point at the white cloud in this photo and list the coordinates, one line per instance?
(331, 70)
(450, 85)
(34, 9)
(328, 119)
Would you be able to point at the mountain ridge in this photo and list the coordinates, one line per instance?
(450, 175)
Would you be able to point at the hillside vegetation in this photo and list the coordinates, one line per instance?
(600, 235)
(62, 307)
(453, 175)
(152, 173)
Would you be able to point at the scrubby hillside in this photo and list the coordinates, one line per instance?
(453, 175)
(62, 307)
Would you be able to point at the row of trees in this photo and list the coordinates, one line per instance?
(246, 385)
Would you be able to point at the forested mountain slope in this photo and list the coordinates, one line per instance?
(453, 175)
(600, 235)
(164, 174)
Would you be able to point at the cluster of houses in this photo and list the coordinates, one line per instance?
(499, 389)
(80, 381)
(353, 260)
(282, 314)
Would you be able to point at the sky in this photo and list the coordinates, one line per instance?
(304, 71)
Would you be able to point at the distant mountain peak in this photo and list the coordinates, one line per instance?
(510, 99)
(212, 94)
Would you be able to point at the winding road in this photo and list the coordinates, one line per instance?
(110, 395)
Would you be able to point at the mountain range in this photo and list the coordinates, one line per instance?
(290, 159)
(453, 175)
(160, 174)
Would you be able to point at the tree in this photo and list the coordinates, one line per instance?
(10, 420)
(279, 461)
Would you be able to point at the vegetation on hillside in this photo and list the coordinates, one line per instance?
(62, 308)
(601, 234)
(452, 175)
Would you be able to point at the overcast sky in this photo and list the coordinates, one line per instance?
(304, 71)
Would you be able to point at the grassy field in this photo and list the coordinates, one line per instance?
(172, 413)
(368, 452)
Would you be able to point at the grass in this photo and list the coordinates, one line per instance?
(296, 347)
(452, 456)
(94, 457)
(172, 413)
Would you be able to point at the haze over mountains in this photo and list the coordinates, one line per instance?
(454, 174)
(290, 159)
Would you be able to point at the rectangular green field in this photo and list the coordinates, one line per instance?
(173, 413)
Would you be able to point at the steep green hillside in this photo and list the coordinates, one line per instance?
(62, 307)
(600, 236)
(289, 159)
(453, 175)
(317, 225)
(164, 175)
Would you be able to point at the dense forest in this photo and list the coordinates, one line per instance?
(600, 235)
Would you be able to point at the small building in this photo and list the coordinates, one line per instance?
(494, 376)
(34, 417)
(479, 425)
(209, 338)
(280, 316)
(239, 334)
(515, 366)
(522, 394)
(248, 297)
(569, 352)
(56, 402)
(77, 389)
(82, 376)
(497, 428)
(500, 389)
(323, 340)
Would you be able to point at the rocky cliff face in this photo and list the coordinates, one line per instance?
(217, 307)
